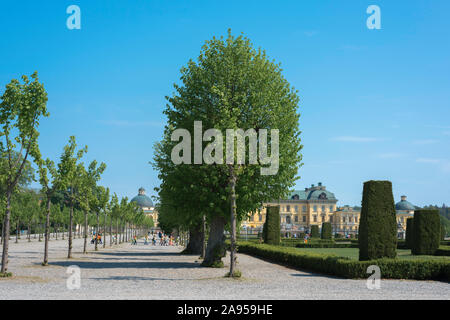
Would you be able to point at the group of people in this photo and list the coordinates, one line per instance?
(164, 239)
(97, 237)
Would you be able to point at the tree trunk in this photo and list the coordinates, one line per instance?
(194, 245)
(110, 231)
(6, 233)
(203, 237)
(117, 231)
(69, 255)
(233, 220)
(85, 232)
(96, 234)
(29, 232)
(17, 231)
(215, 249)
(47, 233)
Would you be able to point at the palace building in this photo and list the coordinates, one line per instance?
(146, 205)
(404, 210)
(305, 208)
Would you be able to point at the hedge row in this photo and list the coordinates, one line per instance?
(347, 268)
(443, 251)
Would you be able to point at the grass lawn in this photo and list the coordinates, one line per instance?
(353, 253)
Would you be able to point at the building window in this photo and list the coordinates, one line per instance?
(288, 208)
(288, 219)
(343, 219)
(356, 219)
(296, 208)
(304, 208)
(304, 218)
(315, 208)
(350, 219)
(323, 218)
(331, 208)
(260, 217)
(296, 218)
(323, 208)
(331, 219)
(315, 218)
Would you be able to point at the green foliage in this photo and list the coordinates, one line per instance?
(346, 267)
(378, 226)
(443, 251)
(272, 234)
(315, 231)
(409, 233)
(326, 231)
(427, 232)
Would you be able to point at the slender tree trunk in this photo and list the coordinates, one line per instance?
(203, 236)
(69, 255)
(233, 220)
(85, 232)
(96, 234)
(117, 230)
(40, 232)
(29, 232)
(17, 231)
(57, 231)
(47, 232)
(215, 249)
(104, 232)
(110, 231)
(63, 230)
(6, 233)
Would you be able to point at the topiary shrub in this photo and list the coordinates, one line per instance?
(271, 229)
(427, 232)
(326, 231)
(409, 233)
(378, 226)
(314, 231)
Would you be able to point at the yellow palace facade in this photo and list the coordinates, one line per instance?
(305, 208)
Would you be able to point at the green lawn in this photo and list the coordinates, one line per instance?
(353, 253)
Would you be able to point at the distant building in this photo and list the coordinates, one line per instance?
(404, 210)
(146, 205)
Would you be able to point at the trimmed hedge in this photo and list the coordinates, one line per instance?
(347, 268)
(314, 231)
(272, 226)
(378, 226)
(409, 232)
(326, 231)
(443, 251)
(427, 232)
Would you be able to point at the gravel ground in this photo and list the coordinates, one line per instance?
(148, 272)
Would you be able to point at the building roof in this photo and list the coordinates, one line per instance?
(142, 200)
(404, 205)
(318, 192)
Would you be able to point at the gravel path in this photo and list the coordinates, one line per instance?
(148, 272)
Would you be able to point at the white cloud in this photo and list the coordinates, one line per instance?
(355, 139)
(444, 164)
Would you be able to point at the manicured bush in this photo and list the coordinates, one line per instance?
(427, 232)
(272, 225)
(314, 231)
(409, 233)
(345, 267)
(378, 226)
(338, 236)
(326, 231)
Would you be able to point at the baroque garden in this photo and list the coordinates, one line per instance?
(215, 214)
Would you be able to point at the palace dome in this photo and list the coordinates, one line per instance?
(404, 205)
(142, 200)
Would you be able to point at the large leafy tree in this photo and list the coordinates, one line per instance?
(230, 86)
(22, 106)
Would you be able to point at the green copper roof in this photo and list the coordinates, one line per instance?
(142, 200)
(313, 193)
(404, 205)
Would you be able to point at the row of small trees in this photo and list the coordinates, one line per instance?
(67, 186)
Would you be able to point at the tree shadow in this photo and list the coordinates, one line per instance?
(137, 253)
(133, 278)
(125, 264)
(316, 275)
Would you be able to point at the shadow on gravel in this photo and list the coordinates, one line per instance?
(131, 253)
(125, 264)
(132, 278)
(314, 275)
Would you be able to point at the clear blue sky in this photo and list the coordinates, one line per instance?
(375, 104)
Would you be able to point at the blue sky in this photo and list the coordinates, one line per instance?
(375, 104)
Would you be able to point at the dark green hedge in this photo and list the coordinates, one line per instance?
(326, 245)
(443, 251)
(378, 226)
(314, 231)
(347, 268)
(272, 232)
(409, 232)
(427, 232)
(326, 231)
